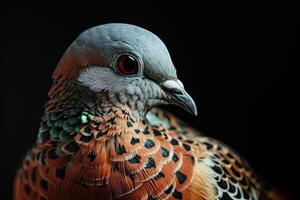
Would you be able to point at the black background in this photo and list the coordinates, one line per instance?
(239, 68)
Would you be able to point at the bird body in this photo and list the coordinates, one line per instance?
(101, 138)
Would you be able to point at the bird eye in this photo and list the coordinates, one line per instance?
(127, 64)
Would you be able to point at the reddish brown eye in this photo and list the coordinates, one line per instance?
(127, 65)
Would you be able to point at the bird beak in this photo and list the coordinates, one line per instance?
(177, 95)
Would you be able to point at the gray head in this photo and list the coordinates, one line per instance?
(128, 62)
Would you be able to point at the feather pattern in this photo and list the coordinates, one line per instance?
(81, 155)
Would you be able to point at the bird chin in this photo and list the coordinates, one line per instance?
(156, 102)
(151, 103)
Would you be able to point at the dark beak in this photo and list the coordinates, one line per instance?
(177, 95)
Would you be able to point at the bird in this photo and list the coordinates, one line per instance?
(103, 136)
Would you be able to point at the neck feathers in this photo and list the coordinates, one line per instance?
(71, 107)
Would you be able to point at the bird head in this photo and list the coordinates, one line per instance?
(130, 63)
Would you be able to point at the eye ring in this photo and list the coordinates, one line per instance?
(127, 64)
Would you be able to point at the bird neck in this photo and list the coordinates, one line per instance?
(72, 107)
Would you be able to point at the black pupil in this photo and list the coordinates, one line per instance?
(127, 64)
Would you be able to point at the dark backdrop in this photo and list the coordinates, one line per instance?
(237, 66)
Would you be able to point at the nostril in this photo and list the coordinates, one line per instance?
(172, 87)
(173, 90)
(180, 83)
